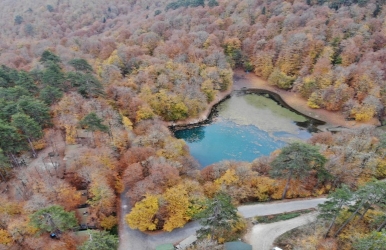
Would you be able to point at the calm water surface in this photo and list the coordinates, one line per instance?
(244, 128)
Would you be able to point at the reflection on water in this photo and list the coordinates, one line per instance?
(196, 134)
(246, 127)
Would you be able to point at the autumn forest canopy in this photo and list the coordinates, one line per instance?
(87, 89)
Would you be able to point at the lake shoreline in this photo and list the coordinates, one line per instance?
(249, 82)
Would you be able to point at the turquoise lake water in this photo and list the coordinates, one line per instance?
(244, 128)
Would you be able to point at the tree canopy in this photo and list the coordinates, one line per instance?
(53, 219)
(100, 240)
(217, 217)
(296, 160)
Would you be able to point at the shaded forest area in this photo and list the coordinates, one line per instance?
(104, 76)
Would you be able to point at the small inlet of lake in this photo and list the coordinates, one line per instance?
(244, 127)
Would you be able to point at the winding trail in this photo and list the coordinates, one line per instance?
(135, 240)
(262, 236)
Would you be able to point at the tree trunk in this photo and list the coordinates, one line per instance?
(38, 172)
(92, 139)
(53, 165)
(46, 167)
(14, 160)
(333, 221)
(381, 226)
(2, 176)
(348, 220)
(32, 147)
(287, 185)
(364, 212)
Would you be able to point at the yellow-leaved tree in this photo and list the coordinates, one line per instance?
(5, 237)
(177, 207)
(142, 216)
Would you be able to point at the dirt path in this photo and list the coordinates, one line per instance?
(250, 80)
(262, 236)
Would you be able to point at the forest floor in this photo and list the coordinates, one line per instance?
(244, 80)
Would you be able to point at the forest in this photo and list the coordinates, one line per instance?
(88, 89)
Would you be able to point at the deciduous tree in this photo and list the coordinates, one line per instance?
(142, 216)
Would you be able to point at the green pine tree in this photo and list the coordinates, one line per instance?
(100, 240)
(28, 128)
(218, 217)
(53, 219)
(80, 64)
(48, 56)
(330, 210)
(50, 95)
(295, 161)
(36, 109)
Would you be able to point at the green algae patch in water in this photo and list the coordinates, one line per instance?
(263, 102)
(261, 112)
(244, 128)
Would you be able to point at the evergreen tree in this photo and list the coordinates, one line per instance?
(87, 84)
(196, 3)
(50, 95)
(100, 240)
(80, 64)
(53, 75)
(28, 127)
(331, 209)
(13, 94)
(53, 219)
(10, 142)
(373, 241)
(92, 122)
(26, 81)
(212, 3)
(218, 216)
(36, 109)
(366, 197)
(50, 8)
(48, 56)
(5, 167)
(7, 109)
(295, 161)
(90, 86)
(18, 19)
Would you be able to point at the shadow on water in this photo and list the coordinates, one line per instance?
(192, 135)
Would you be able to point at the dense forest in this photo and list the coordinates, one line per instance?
(94, 84)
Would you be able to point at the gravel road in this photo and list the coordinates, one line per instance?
(279, 207)
(135, 240)
(262, 236)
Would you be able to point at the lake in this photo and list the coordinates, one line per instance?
(245, 127)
